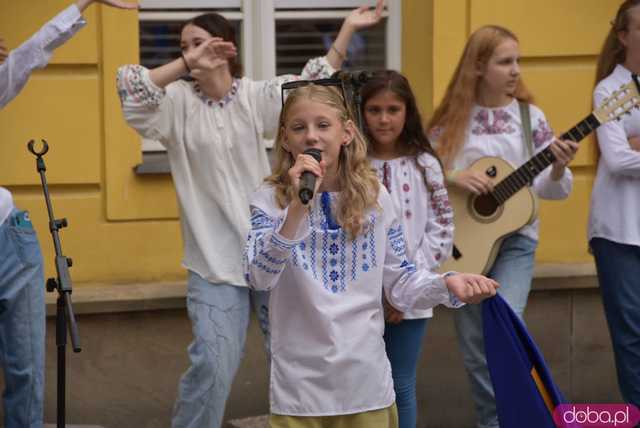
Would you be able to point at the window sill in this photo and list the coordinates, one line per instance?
(153, 163)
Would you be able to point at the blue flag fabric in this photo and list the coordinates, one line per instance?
(525, 392)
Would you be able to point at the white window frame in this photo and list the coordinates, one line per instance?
(258, 28)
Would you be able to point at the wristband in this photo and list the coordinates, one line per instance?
(186, 65)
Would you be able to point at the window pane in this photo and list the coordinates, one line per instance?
(297, 40)
(188, 4)
(160, 41)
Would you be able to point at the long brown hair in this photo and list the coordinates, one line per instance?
(453, 114)
(613, 51)
(358, 183)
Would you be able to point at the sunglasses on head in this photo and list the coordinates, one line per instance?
(296, 84)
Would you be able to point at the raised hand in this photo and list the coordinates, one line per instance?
(471, 288)
(363, 17)
(119, 4)
(4, 52)
(209, 55)
(306, 163)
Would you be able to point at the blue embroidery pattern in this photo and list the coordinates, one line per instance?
(396, 239)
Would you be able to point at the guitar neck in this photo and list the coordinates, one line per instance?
(524, 175)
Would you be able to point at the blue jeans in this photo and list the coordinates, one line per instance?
(513, 269)
(219, 316)
(22, 322)
(403, 344)
(618, 267)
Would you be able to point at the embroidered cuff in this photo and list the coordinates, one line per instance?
(133, 83)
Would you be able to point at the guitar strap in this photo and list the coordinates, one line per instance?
(525, 118)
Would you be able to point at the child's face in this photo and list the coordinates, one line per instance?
(385, 115)
(192, 36)
(312, 124)
(502, 72)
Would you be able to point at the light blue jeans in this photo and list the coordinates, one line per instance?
(219, 316)
(22, 322)
(403, 344)
(513, 269)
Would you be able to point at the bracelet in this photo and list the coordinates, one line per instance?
(186, 65)
(343, 58)
(451, 176)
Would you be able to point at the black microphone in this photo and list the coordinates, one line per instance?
(308, 178)
(355, 77)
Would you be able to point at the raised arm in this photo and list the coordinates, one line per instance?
(359, 19)
(16, 66)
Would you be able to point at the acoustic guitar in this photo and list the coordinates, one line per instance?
(482, 222)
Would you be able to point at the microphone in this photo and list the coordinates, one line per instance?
(308, 178)
(355, 77)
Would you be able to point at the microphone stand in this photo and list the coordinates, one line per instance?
(64, 310)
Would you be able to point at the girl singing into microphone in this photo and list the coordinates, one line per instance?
(213, 129)
(327, 264)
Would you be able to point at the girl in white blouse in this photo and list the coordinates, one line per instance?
(410, 171)
(327, 265)
(614, 223)
(213, 129)
(480, 116)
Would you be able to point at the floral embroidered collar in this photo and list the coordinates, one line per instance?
(222, 102)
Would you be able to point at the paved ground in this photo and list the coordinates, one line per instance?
(256, 422)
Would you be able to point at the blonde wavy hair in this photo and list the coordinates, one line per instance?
(357, 181)
(452, 116)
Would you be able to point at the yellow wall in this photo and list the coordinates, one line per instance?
(124, 227)
(559, 42)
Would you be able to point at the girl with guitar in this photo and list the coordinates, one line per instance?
(409, 168)
(614, 225)
(487, 111)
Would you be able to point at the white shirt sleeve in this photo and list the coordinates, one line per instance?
(437, 241)
(406, 287)
(267, 94)
(267, 251)
(147, 108)
(615, 150)
(36, 52)
(543, 185)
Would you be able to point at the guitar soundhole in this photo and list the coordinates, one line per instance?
(485, 205)
(484, 208)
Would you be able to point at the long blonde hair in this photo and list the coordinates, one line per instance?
(453, 114)
(613, 51)
(358, 183)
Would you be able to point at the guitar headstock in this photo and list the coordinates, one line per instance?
(619, 102)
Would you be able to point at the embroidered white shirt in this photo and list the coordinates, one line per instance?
(416, 186)
(497, 132)
(217, 156)
(325, 307)
(615, 199)
(20, 63)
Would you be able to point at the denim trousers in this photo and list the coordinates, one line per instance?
(22, 322)
(618, 267)
(219, 316)
(513, 269)
(403, 342)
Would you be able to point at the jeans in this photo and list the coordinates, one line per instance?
(618, 267)
(219, 316)
(513, 269)
(403, 344)
(22, 322)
